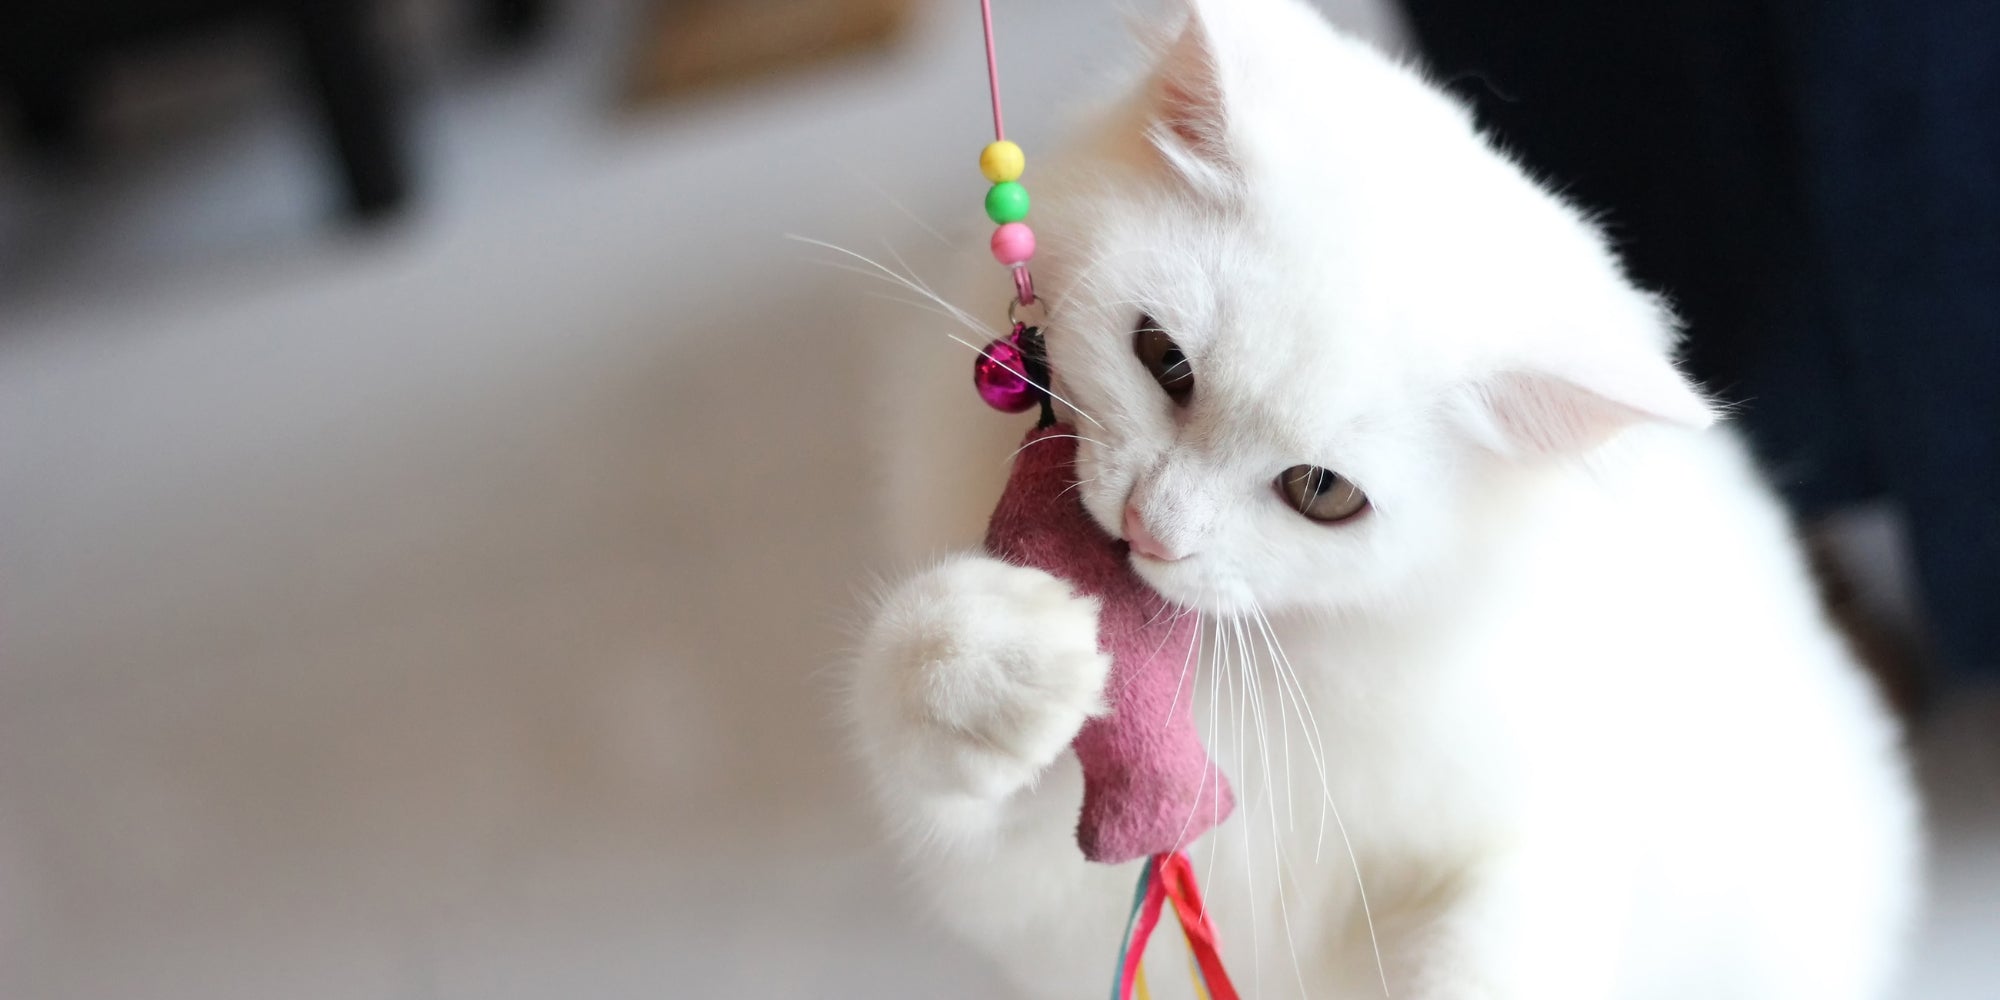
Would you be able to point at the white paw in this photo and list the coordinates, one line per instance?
(975, 675)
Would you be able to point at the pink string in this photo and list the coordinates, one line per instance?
(992, 69)
(1024, 286)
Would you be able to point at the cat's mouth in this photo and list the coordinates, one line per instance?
(1188, 583)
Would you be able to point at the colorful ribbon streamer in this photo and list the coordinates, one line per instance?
(1169, 878)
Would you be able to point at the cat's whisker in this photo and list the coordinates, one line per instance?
(882, 272)
(1085, 280)
(1256, 714)
(1280, 671)
(946, 311)
(887, 273)
(1281, 869)
(1194, 646)
(922, 286)
(1217, 743)
(855, 174)
(1166, 633)
(1051, 437)
(977, 350)
(867, 272)
(1309, 723)
(1242, 701)
(1284, 912)
(1075, 485)
(1354, 861)
(908, 271)
(1024, 377)
(1255, 701)
(899, 300)
(1194, 805)
(1106, 305)
(1154, 655)
(1166, 607)
(1285, 742)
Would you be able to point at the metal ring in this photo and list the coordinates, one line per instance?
(1036, 314)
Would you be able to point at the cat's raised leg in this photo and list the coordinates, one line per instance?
(972, 680)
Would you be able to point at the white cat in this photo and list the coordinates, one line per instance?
(1572, 692)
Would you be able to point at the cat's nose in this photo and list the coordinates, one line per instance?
(1141, 540)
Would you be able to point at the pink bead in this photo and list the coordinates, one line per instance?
(1013, 244)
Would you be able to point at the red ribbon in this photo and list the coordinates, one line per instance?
(1176, 874)
(1170, 877)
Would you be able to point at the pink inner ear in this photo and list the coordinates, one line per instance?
(1193, 118)
(1548, 414)
(1544, 415)
(1189, 96)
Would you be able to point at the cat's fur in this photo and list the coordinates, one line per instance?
(1576, 702)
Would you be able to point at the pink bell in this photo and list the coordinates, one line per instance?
(1000, 373)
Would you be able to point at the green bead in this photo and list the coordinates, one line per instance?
(1007, 202)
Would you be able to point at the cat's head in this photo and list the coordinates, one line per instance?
(1318, 325)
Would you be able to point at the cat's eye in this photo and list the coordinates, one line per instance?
(1163, 360)
(1320, 494)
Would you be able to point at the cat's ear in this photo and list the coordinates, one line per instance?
(1544, 413)
(1571, 400)
(1189, 109)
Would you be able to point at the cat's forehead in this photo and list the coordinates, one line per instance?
(1238, 287)
(1205, 270)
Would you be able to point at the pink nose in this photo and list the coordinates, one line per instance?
(1141, 540)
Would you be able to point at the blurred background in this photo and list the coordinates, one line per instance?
(428, 495)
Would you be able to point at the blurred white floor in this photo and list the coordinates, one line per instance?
(441, 612)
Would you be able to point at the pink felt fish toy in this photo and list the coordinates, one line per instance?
(1149, 787)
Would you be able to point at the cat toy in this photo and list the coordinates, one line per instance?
(1149, 787)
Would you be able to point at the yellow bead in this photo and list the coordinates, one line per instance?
(1001, 161)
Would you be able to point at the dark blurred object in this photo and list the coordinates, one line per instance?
(513, 21)
(698, 44)
(1883, 645)
(49, 53)
(1817, 187)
